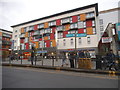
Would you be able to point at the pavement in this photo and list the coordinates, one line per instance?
(48, 64)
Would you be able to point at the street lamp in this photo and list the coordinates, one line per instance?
(75, 50)
(10, 50)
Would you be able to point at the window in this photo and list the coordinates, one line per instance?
(15, 31)
(60, 28)
(31, 28)
(101, 28)
(50, 43)
(60, 35)
(44, 44)
(84, 24)
(15, 36)
(101, 21)
(52, 23)
(25, 29)
(78, 18)
(70, 19)
(79, 41)
(74, 26)
(48, 37)
(40, 26)
(72, 32)
(64, 42)
(84, 30)
(88, 40)
(90, 15)
(94, 31)
(65, 20)
(93, 22)
(80, 25)
(71, 41)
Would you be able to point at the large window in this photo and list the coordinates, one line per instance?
(84, 24)
(60, 35)
(88, 40)
(80, 25)
(31, 28)
(64, 42)
(93, 22)
(60, 28)
(79, 41)
(72, 31)
(52, 23)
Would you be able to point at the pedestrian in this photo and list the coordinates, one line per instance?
(111, 58)
(63, 59)
(71, 59)
(81, 54)
(87, 54)
(32, 55)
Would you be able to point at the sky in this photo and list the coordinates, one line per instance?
(14, 12)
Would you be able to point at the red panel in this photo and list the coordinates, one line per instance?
(47, 43)
(52, 36)
(27, 45)
(40, 39)
(35, 27)
(32, 33)
(53, 29)
(58, 22)
(74, 19)
(64, 33)
(81, 30)
(21, 40)
(89, 23)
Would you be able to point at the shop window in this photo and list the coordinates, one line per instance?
(71, 42)
(88, 40)
(64, 43)
(79, 41)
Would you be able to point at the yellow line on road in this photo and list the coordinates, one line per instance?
(70, 73)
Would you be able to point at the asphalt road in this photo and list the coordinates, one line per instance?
(18, 77)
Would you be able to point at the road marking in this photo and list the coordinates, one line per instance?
(69, 73)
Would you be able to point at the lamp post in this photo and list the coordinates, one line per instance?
(42, 48)
(10, 50)
(75, 50)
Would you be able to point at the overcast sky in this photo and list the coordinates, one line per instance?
(13, 12)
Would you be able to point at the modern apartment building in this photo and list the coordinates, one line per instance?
(5, 43)
(62, 32)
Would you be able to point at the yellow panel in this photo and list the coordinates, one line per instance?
(89, 30)
(26, 34)
(67, 27)
(46, 38)
(82, 17)
(46, 25)
(0, 33)
(30, 39)
(22, 30)
(53, 43)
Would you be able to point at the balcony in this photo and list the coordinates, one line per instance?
(47, 31)
(31, 28)
(65, 21)
(4, 42)
(90, 15)
(6, 35)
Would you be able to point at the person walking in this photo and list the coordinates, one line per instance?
(71, 59)
(32, 55)
(87, 54)
(63, 59)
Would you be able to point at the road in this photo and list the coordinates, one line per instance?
(19, 77)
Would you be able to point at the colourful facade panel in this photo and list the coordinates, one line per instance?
(36, 45)
(67, 27)
(64, 34)
(58, 22)
(82, 17)
(46, 25)
(81, 30)
(26, 34)
(22, 30)
(35, 27)
(21, 40)
(46, 38)
(27, 45)
(74, 19)
(52, 36)
(53, 43)
(0, 33)
(53, 29)
(89, 23)
(89, 30)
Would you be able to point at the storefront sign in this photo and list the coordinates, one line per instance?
(77, 35)
(106, 39)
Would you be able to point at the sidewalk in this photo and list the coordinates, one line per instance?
(47, 64)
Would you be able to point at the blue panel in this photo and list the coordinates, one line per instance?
(78, 35)
(41, 51)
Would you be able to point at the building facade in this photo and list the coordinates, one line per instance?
(5, 43)
(65, 31)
